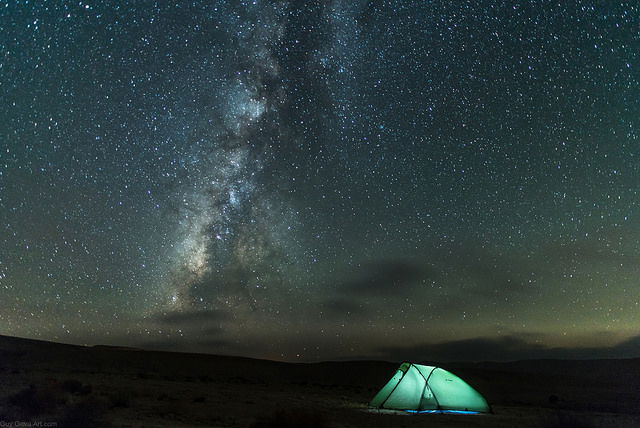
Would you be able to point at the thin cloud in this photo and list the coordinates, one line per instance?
(505, 348)
(384, 278)
(193, 317)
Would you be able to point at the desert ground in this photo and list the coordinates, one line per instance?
(50, 384)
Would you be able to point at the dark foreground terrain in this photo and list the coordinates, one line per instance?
(48, 384)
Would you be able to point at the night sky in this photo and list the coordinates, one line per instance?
(314, 180)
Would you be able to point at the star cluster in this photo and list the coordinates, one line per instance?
(310, 180)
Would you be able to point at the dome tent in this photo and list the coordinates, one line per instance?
(420, 388)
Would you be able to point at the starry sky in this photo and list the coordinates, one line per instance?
(323, 179)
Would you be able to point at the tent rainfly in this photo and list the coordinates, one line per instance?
(419, 388)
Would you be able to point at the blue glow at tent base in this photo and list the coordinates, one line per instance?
(458, 412)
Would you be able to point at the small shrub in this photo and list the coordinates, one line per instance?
(119, 401)
(9, 413)
(293, 419)
(33, 401)
(87, 413)
(72, 386)
(205, 378)
(567, 420)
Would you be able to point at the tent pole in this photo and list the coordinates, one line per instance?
(394, 388)
(432, 391)
(425, 387)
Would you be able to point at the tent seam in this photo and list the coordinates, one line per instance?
(426, 382)
(394, 388)
(432, 391)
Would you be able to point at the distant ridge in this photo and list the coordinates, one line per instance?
(23, 341)
(117, 348)
(8, 343)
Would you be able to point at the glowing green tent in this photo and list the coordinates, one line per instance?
(428, 389)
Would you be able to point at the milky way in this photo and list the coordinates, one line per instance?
(222, 208)
(312, 180)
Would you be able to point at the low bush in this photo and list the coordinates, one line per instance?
(34, 401)
(72, 386)
(119, 400)
(567, 420)
(87, 413)
(294, 418)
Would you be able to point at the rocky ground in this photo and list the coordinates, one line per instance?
(49, 384)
